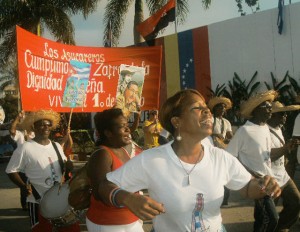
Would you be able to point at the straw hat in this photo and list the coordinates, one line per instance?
(248, 106)
(279, 107)
(126, 72)
(33, 117)
(218, 100)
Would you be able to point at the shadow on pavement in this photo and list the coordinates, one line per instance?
(14, 220)
(236, 227)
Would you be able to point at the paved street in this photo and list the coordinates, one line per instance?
(237, 217)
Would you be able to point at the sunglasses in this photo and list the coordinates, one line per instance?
(266, 105)
(44, 124)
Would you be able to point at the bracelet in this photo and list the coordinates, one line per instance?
(113, 200)
(110, 195)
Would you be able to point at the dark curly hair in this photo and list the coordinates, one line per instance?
(104, 121)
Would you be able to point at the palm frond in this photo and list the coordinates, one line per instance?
(253, 88)
(206, 3)
(295, 85)
(52, 19)
(268, 86)
(53, 14)
(252, 79)
(281, 83)
(114, 16)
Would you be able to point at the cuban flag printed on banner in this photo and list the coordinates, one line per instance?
(75, 89)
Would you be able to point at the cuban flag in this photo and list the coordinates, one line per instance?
(76, 84)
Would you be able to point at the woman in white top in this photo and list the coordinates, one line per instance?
(185, 179)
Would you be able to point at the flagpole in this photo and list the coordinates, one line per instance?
(175, 16)
(110, 34)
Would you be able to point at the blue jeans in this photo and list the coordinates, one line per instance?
(265, 215)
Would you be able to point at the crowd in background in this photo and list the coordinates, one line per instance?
(177, 139)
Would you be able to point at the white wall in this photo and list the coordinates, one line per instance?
(252, 43)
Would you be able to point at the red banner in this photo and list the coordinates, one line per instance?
(44, 67)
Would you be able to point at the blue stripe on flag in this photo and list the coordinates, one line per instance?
(186, 59)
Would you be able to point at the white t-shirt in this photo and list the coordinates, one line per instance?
(2, 115)
(19, 138)
(252, 145)
(188, 207)
(207, 141)
(218, 126)
(164, 133)
(296, 132)
(278, 168)
(35, 161)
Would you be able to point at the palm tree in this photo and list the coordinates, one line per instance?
(218, 91)
(239, 91)
(9, 74)
(37, 15)
(115, 13)
(253, 4)
(284, 89)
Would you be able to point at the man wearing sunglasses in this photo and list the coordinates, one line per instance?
(42, 161)
(251, 144)
(280, 150)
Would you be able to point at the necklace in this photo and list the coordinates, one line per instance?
(189, 172)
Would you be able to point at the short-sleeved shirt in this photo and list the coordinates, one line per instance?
(251, 143)
(221, 126)
(36, 161)
(278, 167)
(18, 138)
(188, 207)
(296, 132)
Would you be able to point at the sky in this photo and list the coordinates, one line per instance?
(89, 32)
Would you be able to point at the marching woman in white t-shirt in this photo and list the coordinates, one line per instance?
(185, 179)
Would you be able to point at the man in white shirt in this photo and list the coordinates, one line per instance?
(251, 144)
(20, 137)
(2, 115)
(222, 132)
(40, 161)
(296, 134)
(290, 194)
(221, 126)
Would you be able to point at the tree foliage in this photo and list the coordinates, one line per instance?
(116, 11)
(37, 15)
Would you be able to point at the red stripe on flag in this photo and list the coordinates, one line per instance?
(148, 26)
(202, 60)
